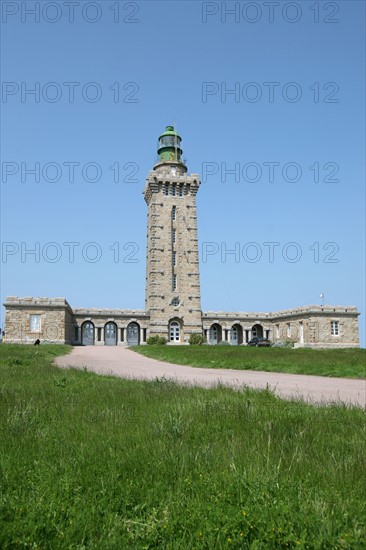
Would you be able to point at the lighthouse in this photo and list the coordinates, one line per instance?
(173, 296)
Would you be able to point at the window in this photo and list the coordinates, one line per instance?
(288, 330)
(174, 189)
(35, 323)
(334, 328)
(174, 236)
(175, 301)
(174, 213)
(174, 282)
(174, 258)
(166, 188)
(181, 190)
(257, 331)
(169, 141)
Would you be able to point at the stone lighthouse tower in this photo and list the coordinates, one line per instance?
(173, 297)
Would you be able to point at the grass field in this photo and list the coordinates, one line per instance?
(347, 363)
(88, 461)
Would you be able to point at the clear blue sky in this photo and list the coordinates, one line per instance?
(162, 63)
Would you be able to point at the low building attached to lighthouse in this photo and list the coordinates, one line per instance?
(173, 295)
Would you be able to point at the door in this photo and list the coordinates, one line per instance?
(234, 336)
(133, 330)
(87, 338)
(174, 332)
(110, 334)
(213, 334)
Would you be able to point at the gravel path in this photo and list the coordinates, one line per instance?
(119, 361)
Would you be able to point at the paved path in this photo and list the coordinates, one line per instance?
(119, 361)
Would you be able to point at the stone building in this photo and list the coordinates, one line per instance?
(173, 296)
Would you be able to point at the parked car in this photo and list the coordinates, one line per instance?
(259, 342)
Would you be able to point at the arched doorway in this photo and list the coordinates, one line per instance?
(174, 331)
(215, 335)
(87, 334)
(257, 331)
(236, 335)
(110, 334)
(133, 334)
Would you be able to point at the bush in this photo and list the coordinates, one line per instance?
(224, 343)
(196, 339)
(279, 344)
(156, 341)
(290, 342)
(283, 344)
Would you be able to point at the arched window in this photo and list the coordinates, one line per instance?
(215, 334)
(236, 335)
(257, 331)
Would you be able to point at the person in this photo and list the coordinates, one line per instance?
(37, 342)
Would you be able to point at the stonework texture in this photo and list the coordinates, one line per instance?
(55, 316)
(172, 267)
(173, 296)
(62, 324)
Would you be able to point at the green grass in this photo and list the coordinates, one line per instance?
(347, 363)
(90, 461)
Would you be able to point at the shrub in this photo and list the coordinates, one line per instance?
(196, 339)
(290, 342)
(279, 344)
(224, 343)
(156, 340)
(283, 344)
